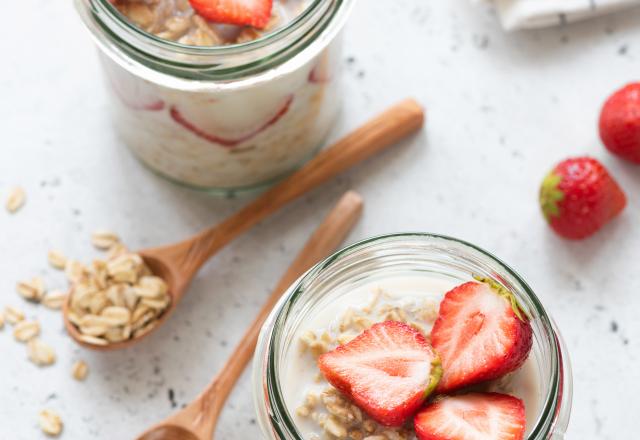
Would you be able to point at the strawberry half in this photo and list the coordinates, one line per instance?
(475, 416)
(256, 13)
(388, 371)
(579, 196)
(481, 334)
(620, 123)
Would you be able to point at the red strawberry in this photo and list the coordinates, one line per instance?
(620, 123)
(579, 196)
(475, 416)
(388, 371)
(481, 334)
(256, 13)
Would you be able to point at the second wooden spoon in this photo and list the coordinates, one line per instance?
(197, 421)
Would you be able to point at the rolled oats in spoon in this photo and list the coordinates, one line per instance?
(115, 299)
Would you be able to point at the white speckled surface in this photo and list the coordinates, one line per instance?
(502, 109)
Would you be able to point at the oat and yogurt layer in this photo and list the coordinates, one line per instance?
(220, 137)
(176, 20)
(322, 412)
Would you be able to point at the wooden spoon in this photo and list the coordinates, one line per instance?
(197, 421)
(178, 263)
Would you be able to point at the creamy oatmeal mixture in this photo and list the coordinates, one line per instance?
(320, 411)
(213, 138)
(176, 20)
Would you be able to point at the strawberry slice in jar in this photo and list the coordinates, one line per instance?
(228, 127)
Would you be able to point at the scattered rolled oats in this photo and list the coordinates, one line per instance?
(57, 259)
(54, 299)
(13, 315)
(50, 423)
(104, 240)
(33, 290)
(16, 199)
(24, 331)
(40, 353)
(335, 428)
(80, 370)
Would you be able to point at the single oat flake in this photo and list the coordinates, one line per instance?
(40, 353)
(16, 199)
(54, 299)
(13, 315)
(57, 260)
(80, 370)
(103, 239)
(32, 290)
(24, 331)
(50, 423)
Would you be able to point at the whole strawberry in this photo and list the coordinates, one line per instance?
(579, 196)
(620, 123)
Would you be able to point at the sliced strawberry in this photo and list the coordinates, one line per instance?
(480, 334)
(223, 140)
(475, 416)
(256, 13)
(388, 371)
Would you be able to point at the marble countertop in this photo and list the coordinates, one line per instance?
(502, 109)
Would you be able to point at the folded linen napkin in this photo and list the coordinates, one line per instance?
(524, 14)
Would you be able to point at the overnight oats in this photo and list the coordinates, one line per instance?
(411, 336)
(221, 95)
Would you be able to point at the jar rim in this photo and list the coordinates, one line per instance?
(115, 14)
(122, 39)
(550, 409)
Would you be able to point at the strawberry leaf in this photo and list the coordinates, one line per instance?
(550, 196)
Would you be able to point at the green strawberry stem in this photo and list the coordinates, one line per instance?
(436, 375)
(506, 294)
(550, 195)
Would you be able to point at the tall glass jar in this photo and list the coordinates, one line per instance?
(379, 258)
(229, 117)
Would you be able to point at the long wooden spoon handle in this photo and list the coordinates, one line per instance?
(379, 133)
(324, 240)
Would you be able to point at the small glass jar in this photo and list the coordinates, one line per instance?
(390, 256)
(223, 118)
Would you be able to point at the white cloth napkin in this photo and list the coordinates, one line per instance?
(525, 14)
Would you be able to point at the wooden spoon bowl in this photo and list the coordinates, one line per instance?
(178, 263)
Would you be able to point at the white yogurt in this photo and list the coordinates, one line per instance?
(410, 293)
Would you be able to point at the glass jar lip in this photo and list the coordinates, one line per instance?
(552, 403)
(108, 7)
(215, 68)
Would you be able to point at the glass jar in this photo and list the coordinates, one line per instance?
(400, 255)
(229, 117)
